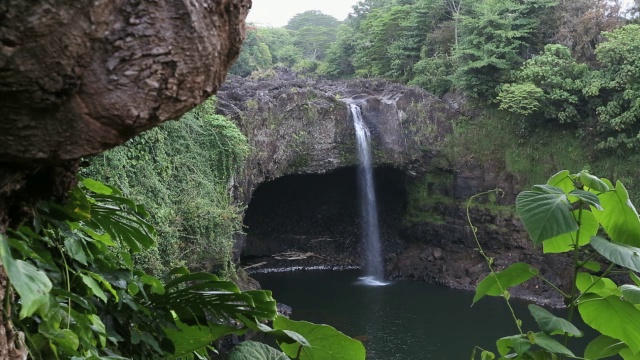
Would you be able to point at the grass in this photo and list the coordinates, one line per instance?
(425, 195)
(535, 154)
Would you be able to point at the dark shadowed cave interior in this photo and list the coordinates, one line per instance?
(319, 213)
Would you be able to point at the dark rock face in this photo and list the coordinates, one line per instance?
(446, 253)
(78, 77)
(314, 220)
(302, 126)
(298, 126)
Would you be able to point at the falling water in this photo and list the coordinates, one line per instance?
(374, 271)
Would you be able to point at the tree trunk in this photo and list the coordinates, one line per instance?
(78, 77)
(12, 346)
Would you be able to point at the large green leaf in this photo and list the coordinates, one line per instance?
(618, 216)
(627, 354)
(613, 317)
(487, 355)
(619, 254)
(496, 284)
(548, 343)
(603, 347)
(631, 293)
(545, 215)
(326, 343)
(251, 350)
(65, 339)
(286, 336)
(94, 287)
(187, 339)
(519, 344)
(563, 243)
(586, 197)
(604, 287)
(563, 181)
(32, 285)
(205, 296)
(552, 324)
(592, 183)
(96, 186)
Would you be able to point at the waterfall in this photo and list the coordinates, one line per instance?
(374, 266)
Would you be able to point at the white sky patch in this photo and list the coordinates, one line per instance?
(276, 13)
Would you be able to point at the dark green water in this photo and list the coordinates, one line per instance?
(405, 320)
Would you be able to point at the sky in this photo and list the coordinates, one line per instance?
(276, 13)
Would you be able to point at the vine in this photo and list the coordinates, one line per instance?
(589, 218)
(182, 172)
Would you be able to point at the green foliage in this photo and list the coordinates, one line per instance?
(281, 44)
(80, 295)
(497, 284)
(557, 208)
(493, 38)
(86, 299)
(339, 56)
(389, 39)
(314, 41)
(254, 56)
(195, 215)
(603, 347)
(619, 82)
(425, 198)
(520, 99)
(312, 18)
(251, 350)
(433, 74)
(325, 342)
(33, 286)
(550, 87)
(552, 324)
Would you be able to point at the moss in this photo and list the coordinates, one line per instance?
(251, 104)
(495, 209)
(427, 196)
(348, 156)
(300, 162)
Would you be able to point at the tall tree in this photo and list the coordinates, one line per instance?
(390, 38)
(312, 18)
(255, 55)
(495, 37)
(580, 24)
(281, 43)
(619, 83)
(558, 82)
(315, 41)
(339, 59)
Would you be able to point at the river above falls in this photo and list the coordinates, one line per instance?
(403, 320)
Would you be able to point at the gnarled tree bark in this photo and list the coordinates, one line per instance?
(78, 77)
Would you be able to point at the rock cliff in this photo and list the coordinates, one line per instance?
(299, 182)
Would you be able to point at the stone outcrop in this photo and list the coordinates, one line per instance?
(78, 77)
(302, 126)
(298, 126)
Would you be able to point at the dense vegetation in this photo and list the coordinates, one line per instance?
(82, 297)
(551, 76)
(100, 277)
(537, 70)
(593, 220)
(181, 171)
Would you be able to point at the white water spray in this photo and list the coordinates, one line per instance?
(374, 266)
